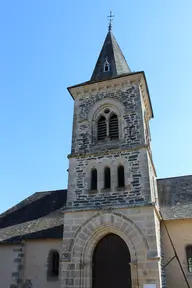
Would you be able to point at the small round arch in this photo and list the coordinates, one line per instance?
(106, 66)
(94, 179)
(96, 114)
(53, 265)
(121, 176)
(107, 178)
(114, 105)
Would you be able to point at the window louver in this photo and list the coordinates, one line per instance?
(102, 128)
(113, 127)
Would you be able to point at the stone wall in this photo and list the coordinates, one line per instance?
(25, 266)
(90, 215)
(83, 230)
(128, 105)
(8, 265)
(137, 186)
(36, 262)
(130, 149)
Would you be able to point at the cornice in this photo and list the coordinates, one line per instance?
(146, 96)
(107, 208)
(121, 82)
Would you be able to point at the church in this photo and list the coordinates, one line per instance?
(116, 224)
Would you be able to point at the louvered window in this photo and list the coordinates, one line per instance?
(101, 128)
(113, 127)
(189, 257)
(107, 178)
(121, 176)
(94, 179)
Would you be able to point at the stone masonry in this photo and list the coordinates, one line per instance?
(126, 103)
(84, 229)
(130, 212)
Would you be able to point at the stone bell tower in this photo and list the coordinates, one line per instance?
(111, 225)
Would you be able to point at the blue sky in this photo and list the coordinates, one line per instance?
(48, 45)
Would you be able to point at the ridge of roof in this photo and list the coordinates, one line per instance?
(175, 177)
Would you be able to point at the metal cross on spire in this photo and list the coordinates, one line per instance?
(111, 16)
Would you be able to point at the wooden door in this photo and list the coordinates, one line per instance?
(111, 268)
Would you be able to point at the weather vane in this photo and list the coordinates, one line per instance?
(111, 16)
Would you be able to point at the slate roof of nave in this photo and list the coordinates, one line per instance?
(40, 216)
(175, 197)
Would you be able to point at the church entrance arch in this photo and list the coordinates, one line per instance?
(111, 263)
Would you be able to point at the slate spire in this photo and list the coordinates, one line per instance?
(111, 61)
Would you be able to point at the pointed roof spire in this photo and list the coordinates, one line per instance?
(111, 61)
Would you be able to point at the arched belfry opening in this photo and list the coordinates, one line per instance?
(111, 263)
(107, 178)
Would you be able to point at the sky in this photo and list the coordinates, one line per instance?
(49, 45)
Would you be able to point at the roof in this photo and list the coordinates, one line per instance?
(38, 216)
(111, 54)
(175, 197)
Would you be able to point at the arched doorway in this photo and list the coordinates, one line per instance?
(111, 268)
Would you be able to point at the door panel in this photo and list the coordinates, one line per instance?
(111, 268)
